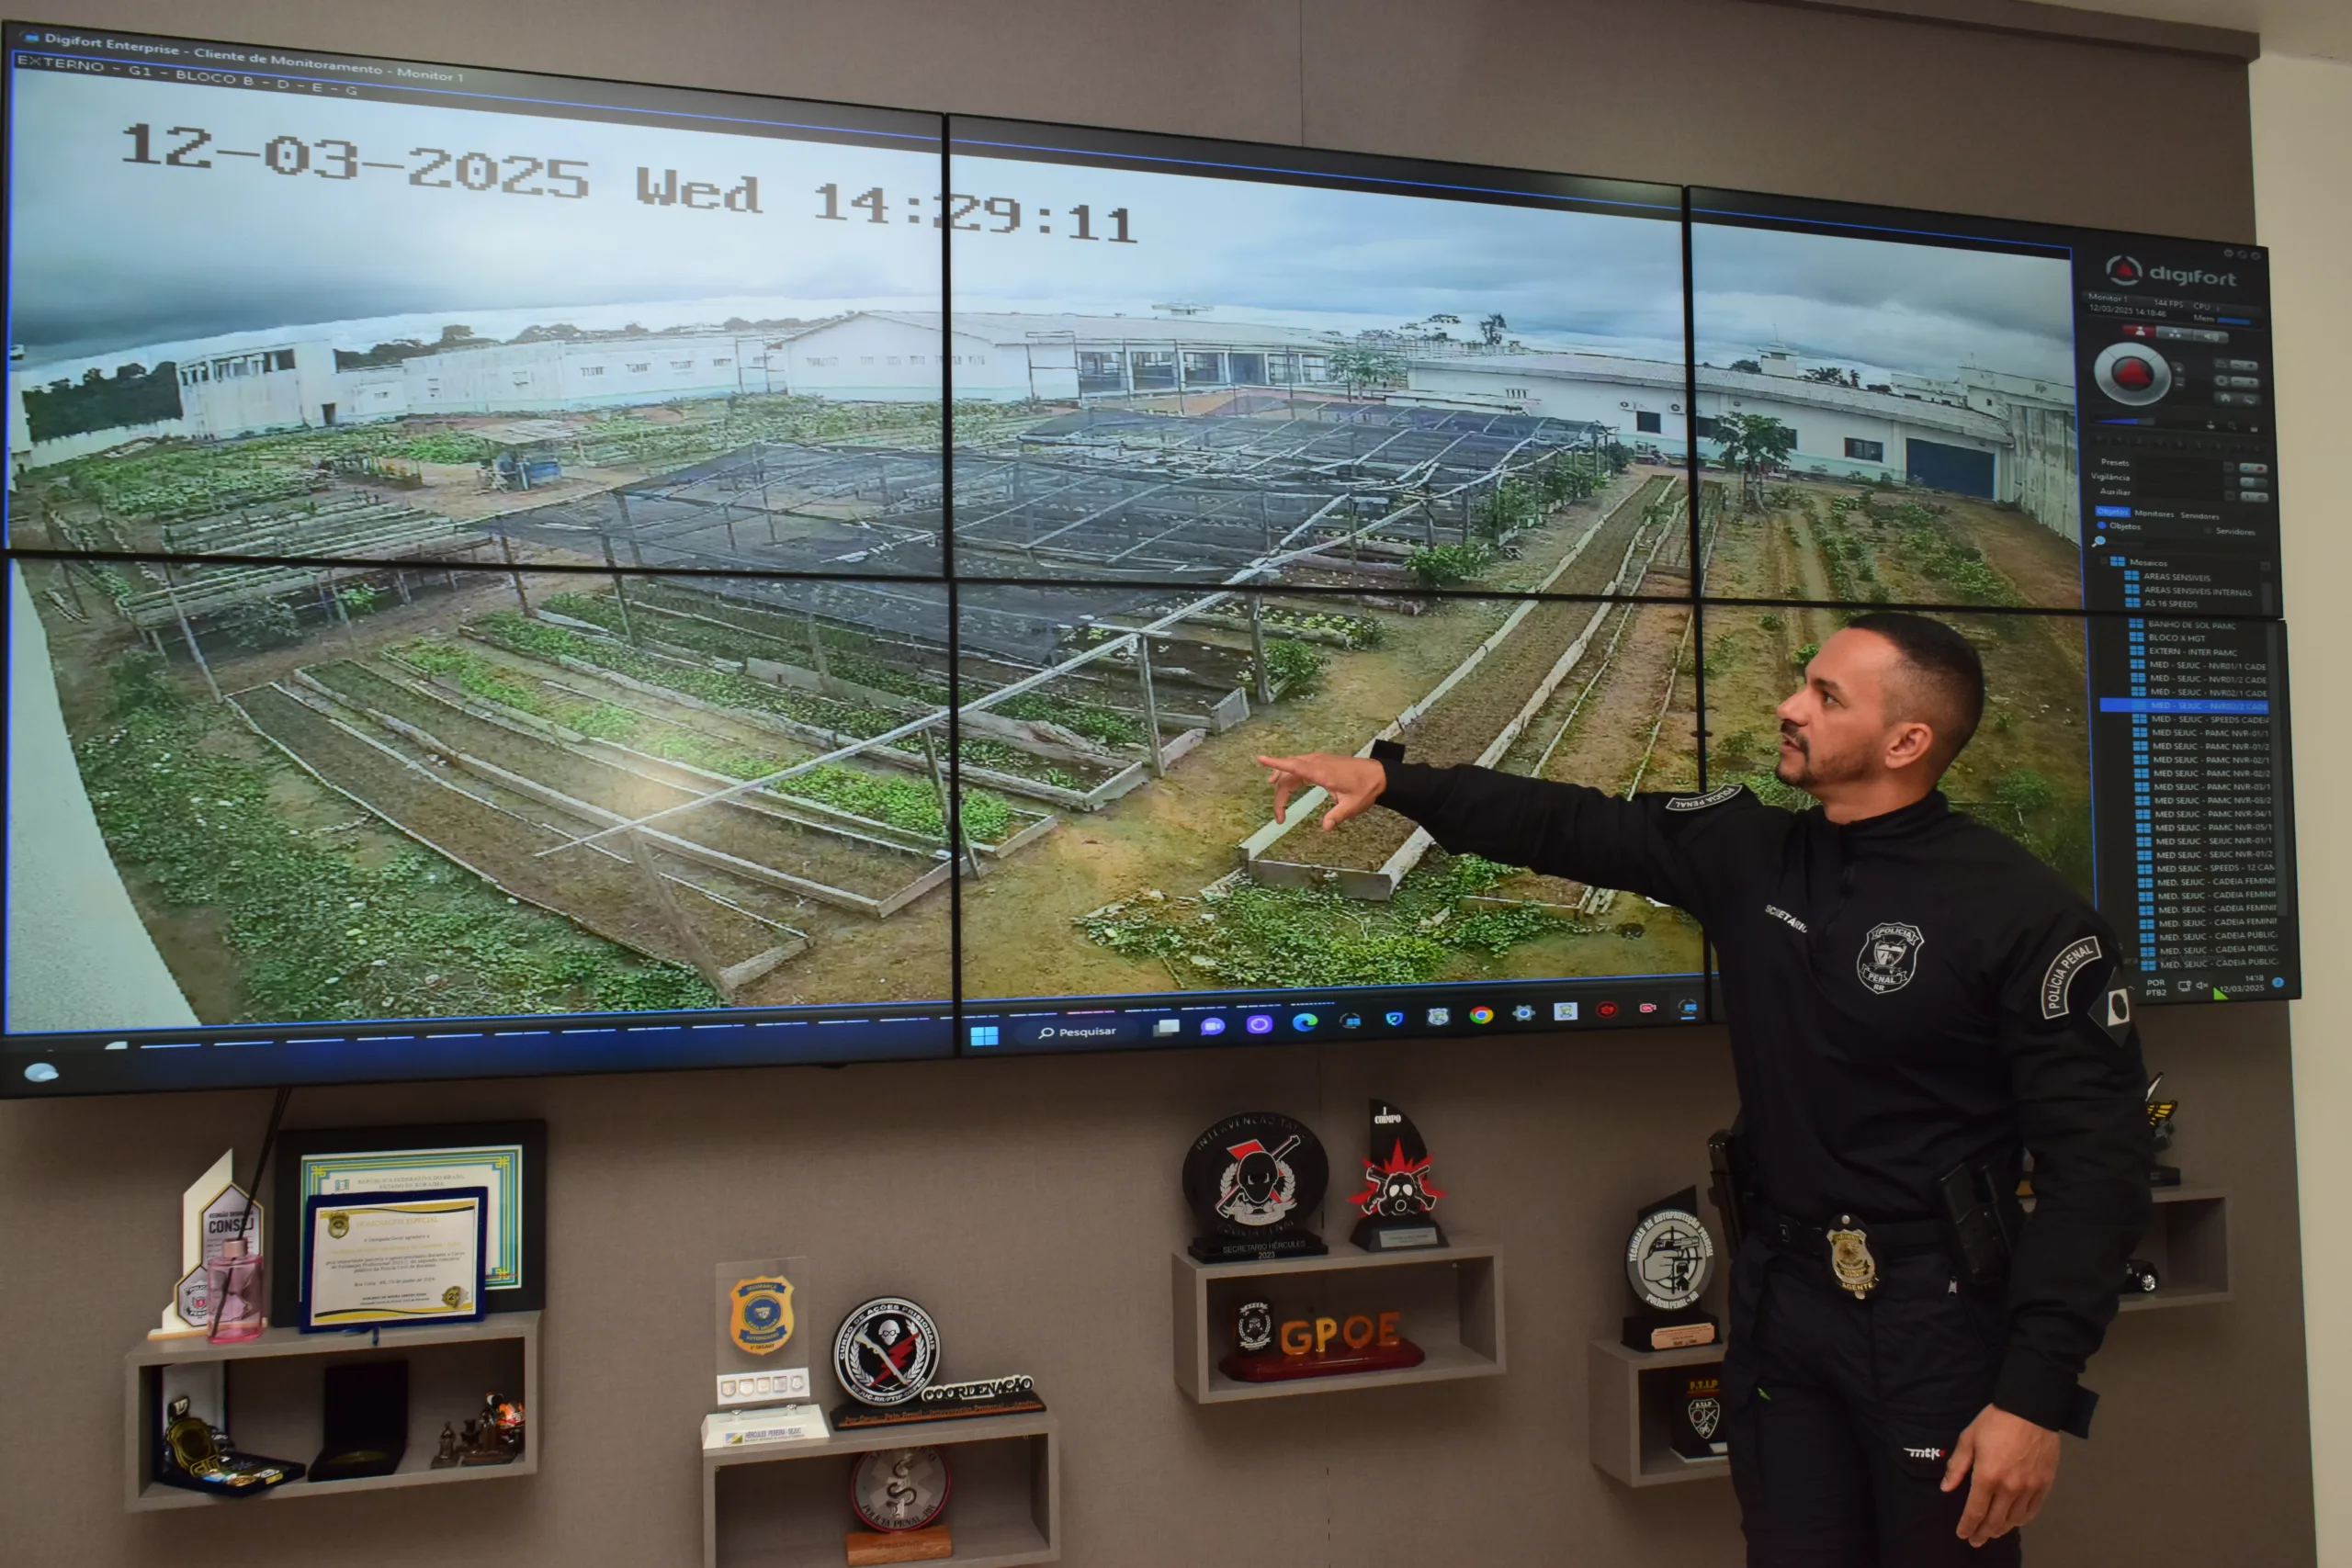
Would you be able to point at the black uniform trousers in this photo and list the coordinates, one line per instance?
(1842, 1414)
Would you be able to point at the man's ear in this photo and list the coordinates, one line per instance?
(1912, 743)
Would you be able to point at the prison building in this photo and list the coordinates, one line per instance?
(285, 386)
(296, 384)
(2006, 438)
(1017, 357)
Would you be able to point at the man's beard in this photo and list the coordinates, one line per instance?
(1805, 771)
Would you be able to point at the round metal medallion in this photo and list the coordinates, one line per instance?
(886, 1351)
(899, 1489)
(1668, 1258)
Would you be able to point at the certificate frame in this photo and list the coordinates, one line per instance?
(476, 1199)
(304, 1156)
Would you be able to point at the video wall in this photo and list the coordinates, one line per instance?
(512, 573)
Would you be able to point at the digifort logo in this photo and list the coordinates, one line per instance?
(2125, 272)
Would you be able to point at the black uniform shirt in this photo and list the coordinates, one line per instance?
(1906, 992)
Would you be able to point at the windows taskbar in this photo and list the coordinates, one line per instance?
(1465, 1010)
(257, 1055)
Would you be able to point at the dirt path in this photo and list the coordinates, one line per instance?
(1466, 720)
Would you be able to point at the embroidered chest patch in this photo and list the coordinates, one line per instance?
(1890, 956)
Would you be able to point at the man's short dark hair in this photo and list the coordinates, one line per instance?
(1946, 677)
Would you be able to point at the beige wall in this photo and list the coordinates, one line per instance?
(1032, 1204)
(2302, 135)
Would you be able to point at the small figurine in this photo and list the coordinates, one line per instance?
(495, 1436)
(447, 1458)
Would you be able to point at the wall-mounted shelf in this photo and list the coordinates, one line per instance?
(2189, 1241)
(1450, 1299)
(787, 1504)
(1628, 1416)
(275, 1387)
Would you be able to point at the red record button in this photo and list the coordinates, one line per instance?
(2133, 375)
(1606, 1010)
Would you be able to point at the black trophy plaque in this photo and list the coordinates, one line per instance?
(1396, 1197)
(1253, 1180)
(2160, 1115)
(1667, 1259)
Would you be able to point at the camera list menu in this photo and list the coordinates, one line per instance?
(2190, 752)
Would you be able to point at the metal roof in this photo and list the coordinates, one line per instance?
(1667, 377)
(1022, 327)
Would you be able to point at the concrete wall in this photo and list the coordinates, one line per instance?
(1032, 1204)
(78, 956)
(2302, 125)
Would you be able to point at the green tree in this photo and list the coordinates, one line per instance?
(1491, 329)
(1753, 444)
(1367, 366)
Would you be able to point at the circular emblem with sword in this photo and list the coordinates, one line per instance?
(888, 1348)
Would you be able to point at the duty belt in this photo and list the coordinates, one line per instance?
(1846, 1243)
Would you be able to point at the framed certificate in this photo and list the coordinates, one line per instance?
(371, 1260)
(508, 1159)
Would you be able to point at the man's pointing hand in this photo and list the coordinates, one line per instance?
(1352, 783)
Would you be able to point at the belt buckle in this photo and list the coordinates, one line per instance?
(1850, 1263)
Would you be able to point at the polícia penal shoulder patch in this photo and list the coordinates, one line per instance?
(1716, 796)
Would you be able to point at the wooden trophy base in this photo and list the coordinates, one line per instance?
(929, 1545)
(1272, 1366)
(1670, 1330)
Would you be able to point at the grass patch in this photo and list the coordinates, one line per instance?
(317, 933)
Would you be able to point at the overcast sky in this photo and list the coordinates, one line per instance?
(112, 256)
(1877, 305)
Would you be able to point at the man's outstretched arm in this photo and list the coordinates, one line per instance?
(1641, 844)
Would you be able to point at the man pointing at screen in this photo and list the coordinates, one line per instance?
(1917, 1006)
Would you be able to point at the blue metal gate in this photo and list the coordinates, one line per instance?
(1956, 468)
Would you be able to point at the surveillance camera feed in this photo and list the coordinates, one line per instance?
(541, 575)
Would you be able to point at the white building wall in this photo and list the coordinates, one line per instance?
(535, 378)
(880, 359)
(257, 390)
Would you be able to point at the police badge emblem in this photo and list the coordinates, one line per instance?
(1253, 1326)
(1850, 1258)
(760, 1315)
(1890, 956)
(1696, 1431)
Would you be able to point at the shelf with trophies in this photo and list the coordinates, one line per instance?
(905, 1469)
(1655, 1408)
(1264, 1308)
(2182, 1258)
(392, 1374)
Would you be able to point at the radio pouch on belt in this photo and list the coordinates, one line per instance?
(1977, 1223)
(1731, 1185)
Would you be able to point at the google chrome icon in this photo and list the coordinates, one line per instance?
(1482, 1015)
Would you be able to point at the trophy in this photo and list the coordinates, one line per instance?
(1252, 1180)
(2160, 1114)
(1315, 1347)
(899, 1494)
(1695, 1430)
(1667, 1259)
(763, 1356)
(886, 1354)
(220, 1235)
(1396, 1197)
(198, 1455)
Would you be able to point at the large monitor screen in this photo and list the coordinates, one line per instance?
(511, 574)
